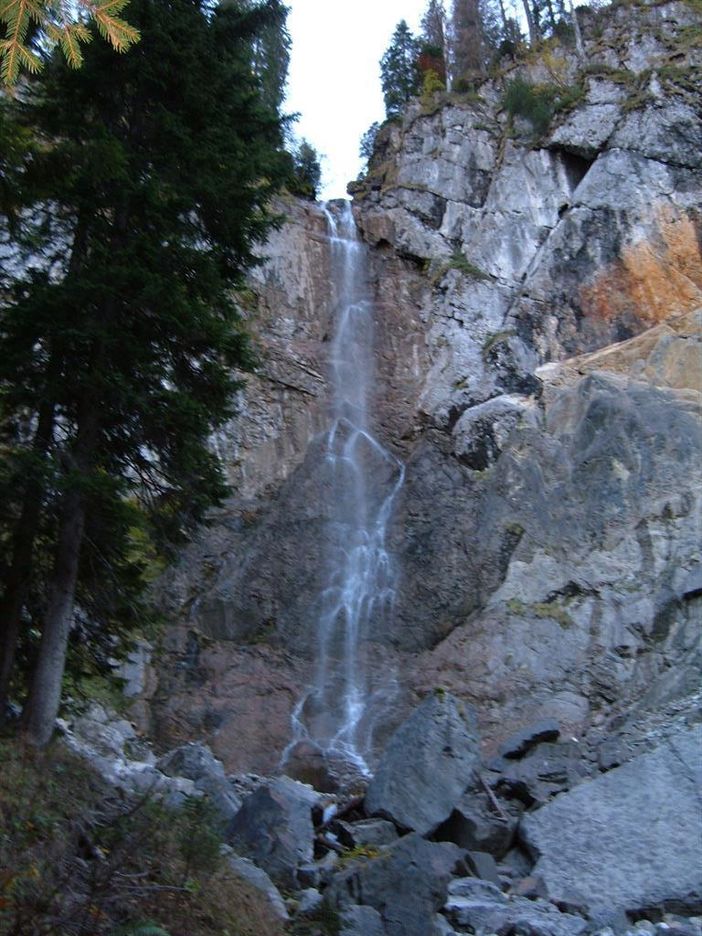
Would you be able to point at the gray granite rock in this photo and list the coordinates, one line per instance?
(427, 765)
(407, 884)
(522, 741)
(196, 762)
(274, 828)
(629, 840)
(372, 832)
(474, 825)
(481, 908)
(256, 877)
(361, 921)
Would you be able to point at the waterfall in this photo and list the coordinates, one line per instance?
(362, 479)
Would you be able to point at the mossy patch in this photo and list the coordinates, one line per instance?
(497, 338)
(542, 609)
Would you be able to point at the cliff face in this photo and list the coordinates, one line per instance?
(539, 371)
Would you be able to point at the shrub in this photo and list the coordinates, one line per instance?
(539, 103)
(97, 863)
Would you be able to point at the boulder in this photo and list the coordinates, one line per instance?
(547, 769)
(258, 879)
(309, 902)
(427, 765)
(361, 921)
(474, 825)
(629, 840)
(367, 832)
(196, 762)
(274, 828)
(407, 884)
(522, 741)
(479, 907)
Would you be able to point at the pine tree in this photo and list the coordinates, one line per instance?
(399, 72)
(307, 171)
(433, 52)
(161, 192)
(270, 56)
(468, 43)
(367, 144)
(433, 25)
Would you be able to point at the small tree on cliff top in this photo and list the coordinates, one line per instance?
(399, 72)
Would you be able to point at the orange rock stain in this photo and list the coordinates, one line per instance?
(653, 279)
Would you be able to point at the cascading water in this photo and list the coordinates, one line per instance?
(362, 478)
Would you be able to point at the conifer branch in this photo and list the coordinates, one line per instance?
(57, 25)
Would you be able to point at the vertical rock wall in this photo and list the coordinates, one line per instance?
(538, 370)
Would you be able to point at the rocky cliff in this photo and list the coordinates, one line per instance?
(538, 290)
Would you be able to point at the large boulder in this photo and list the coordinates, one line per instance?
(361, 921)
(274, 828)
(258, 879)
(474, 825)
(429, 762)
(479, 907)
(518, 744)
(196, 762)
(630, 840)
(406, 884)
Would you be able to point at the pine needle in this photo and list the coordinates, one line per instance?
(53, 17)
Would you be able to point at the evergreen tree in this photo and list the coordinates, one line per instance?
(367, 144)
(399, 72)
(306, 171)
(124, 361)
(432, 56)
(468, 42)
(270, 56)
(433, 26)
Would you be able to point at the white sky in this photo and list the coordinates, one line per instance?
(334, 80)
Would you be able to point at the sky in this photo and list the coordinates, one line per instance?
(334, 79)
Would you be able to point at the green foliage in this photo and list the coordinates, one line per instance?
(324, 921)
(306, 173)
(431, 86)
(101, 864)
(399, 71)
(367, 145)
(457, 261)
(367, 852)
(539, 103)
(542, 609)
(270, 53)
(31, 25)
(142, 218)
(461, 263)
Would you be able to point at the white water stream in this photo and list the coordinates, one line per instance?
(337, 713)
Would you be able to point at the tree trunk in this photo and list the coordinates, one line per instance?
(503, 15)
(551, 14)
(534, 34)
(19, 574)
(45, 692)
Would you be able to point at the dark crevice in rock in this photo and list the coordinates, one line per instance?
(576, 167)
